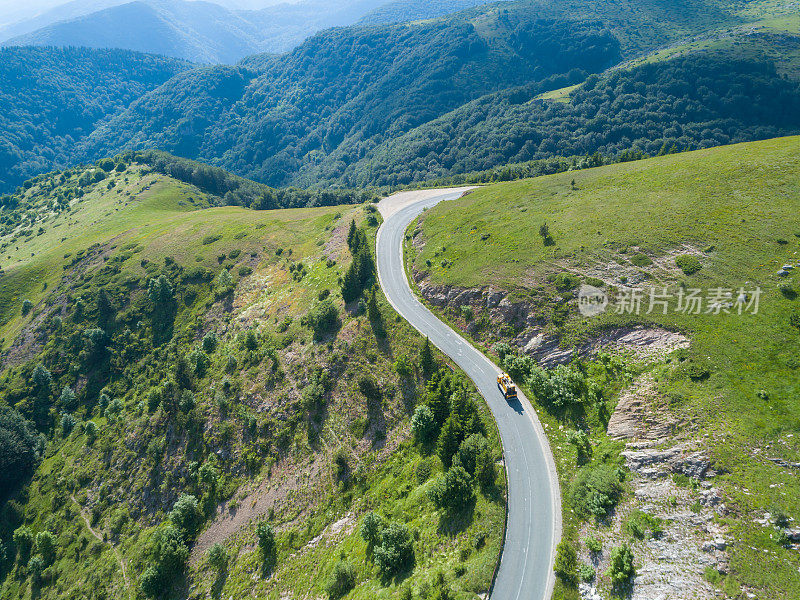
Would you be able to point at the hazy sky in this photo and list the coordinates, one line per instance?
(13, 11)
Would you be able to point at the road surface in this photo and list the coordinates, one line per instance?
(534, 501)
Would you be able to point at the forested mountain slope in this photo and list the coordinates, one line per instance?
(699, 101)
(50, 98)
(348, 90)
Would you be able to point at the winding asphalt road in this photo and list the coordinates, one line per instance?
(534, 501)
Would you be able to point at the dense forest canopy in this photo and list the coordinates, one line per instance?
(693, 102)
(50, 98)
(347, 91)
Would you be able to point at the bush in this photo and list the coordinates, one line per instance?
(90, 430)
(595, 490)
(186, 515)
(266, 540)
(46, 547)
(395, 550)
(217, 557)
(403, 366)
(27, 307)
(621, 567)
(423, 424)
(787, 289)
(342, 580)
(467, 312)
(586, 573)
(560, 388)
(566, 281)
(210, 342)
(36, 567)
(371, 529)
(688, 263)
(169, 555)
(244, 271)
(593, 544)
(566, 562)
(23, 542)
(210, 239)
(453, 490)
(322, 318)
(641, 260)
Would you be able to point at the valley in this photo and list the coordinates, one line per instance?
(264, 265)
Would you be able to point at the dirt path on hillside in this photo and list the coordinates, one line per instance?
(99, 537)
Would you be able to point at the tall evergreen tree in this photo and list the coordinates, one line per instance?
(426, 359)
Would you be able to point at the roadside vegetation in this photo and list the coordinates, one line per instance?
(718, 218)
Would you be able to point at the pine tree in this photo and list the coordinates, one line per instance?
(373, 312)
(351, 237)
(426, 359)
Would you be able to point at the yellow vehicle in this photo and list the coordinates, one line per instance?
(506, 386)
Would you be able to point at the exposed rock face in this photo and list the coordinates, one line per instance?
(645, 343)
(641, 414)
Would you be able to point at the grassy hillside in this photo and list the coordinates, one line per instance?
(733, 212)
(188, 407)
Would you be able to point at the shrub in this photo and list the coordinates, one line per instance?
(90, 430)
(595, 490)
(27, 306)
(621, 567)
(586, 573)
(210, 239)
(423, 424)
(342, 580)
(322, 318)
(369, 387)
(371, 529)
(186, 515)
(395, 550)
(565, 282)
(150, 582)
(467, 312)
(244, 271)
(36, 567)
(46, 547)
(68, 423)
(560, 388)
(453, 490)
(566, 561)
(169, 553)
(593, 544)
(266, 540)
(641, 260)
(23, 542)
(210, 342)
(20, 447)
(787, 289)
(688, 263)
(217, 557)
(794, 319)
(403, 366)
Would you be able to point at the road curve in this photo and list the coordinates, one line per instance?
(534, 500)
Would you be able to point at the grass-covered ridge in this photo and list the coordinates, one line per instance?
(731, 211)
(205, 415)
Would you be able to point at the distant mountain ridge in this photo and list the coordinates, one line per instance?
(199, 31)
(208, 32)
